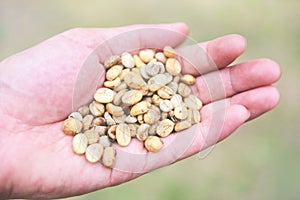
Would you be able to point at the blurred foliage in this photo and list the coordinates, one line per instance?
(261, 160)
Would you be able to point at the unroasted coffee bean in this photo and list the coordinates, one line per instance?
(96, 109)
(181, 112)
(111, 132)
(76, 115)
(166, 105)
(112, 84)
(179, 126)
(111, 61)
(140, 108)
(94, 152)
(92, 136)
(132, 97)
(137, 61)
(80, 143)
(173, 66)
(153, 144)
(142, 132)
(176, 100)
(165, 127)
(152, 116)
(87, 122)
(123, 135)
(114, 72)
(101, 130)
(104, 95)
(165, 92)
(127, 60)
(146, 55)
(99, 121)
(184, 90)
(71, 126)
(116, 111)
(169, 52)
(188, 79)
(193, 102)
(161, 57)
(84, 110)
(104, 141)
(109, 157)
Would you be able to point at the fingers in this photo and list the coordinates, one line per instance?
(212, 55)
(238, 78)
(112, 41)
(258, 101)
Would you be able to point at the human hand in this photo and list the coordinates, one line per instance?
(40, 86)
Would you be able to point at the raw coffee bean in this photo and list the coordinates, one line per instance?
(166, 106)
(84, 110)
(94, 152)
(104, 95)
(164, 115)
(119, 119)
(146, 55)
(140, 119)
(92, 136)
(96, 109)
(143, 72)
(152, 116)
(123, 135)
(195, 117)
(169, 52)
(101, 130)
(173, 86)
(122, 86)
(165, 127)
(161, 57)
(137, 61)
(114, 72)
(173, 66)
(188, 79)
(127, 60)
(112, 84)
(140, 108)
(142, 132)
(176, 100)
(134, 80)
(118, 98)
(157, 82)
(176, 79)
(179, 126)
(109, 119)
(99, 121)
(181, 112)
(111, 132)
(156, 99)
(165, 92)
(153, 144)
(130, 120)
(104, 141)
(193, 102)
(109, 157)
(124, 73)
(76, 115)
(114, 110)
(131, 97)
(111, 61)
(184, 90)
(71, 126)
(87, 122)
(132, 129)
(152, 68)
(80, 143)
(152, 129)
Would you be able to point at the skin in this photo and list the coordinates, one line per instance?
(35, 86)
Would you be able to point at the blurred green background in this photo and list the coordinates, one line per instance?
(261, 160)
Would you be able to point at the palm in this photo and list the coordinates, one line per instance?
(37, 95)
